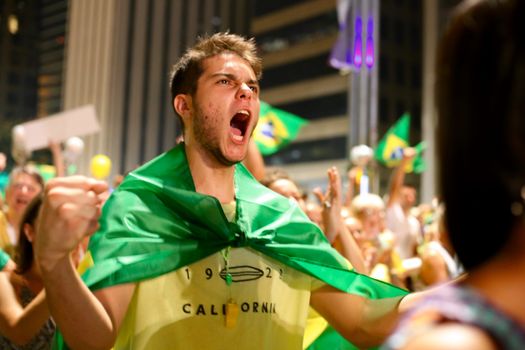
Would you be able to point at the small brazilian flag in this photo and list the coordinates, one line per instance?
(389, 151)
(276, 129)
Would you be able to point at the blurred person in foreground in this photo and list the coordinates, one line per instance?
(192, 252)
(481, 150)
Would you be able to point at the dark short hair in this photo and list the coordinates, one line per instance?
(187, 71)
(24, 249)
(480, 99)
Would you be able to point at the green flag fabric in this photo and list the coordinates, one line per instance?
(418, 164)
(4, 258)
(276, 128)
(389, 151)
(171, 226)
(4, 179)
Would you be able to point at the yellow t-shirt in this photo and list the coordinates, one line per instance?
(185, 309)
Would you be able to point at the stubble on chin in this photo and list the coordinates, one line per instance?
(208, 139)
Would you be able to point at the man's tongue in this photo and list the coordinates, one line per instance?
(237, 126)
(236, 133)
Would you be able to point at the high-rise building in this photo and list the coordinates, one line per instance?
(32, 35)
(18, 67)
(295, 38)
(435, 17)
(400, 69)
(118, 58)
(51, 49)
(117, 54)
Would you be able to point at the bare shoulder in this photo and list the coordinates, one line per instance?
(452, 337)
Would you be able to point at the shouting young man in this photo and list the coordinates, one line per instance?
(191, 251)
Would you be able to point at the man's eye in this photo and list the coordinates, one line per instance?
(224, 81)
(254, 88)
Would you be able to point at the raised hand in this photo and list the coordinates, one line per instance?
(332, 203)
(70, 211)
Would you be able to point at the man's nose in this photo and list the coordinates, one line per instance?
(244, 91)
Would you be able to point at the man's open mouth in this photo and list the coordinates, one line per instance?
(239, 125)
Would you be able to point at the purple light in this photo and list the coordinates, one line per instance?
(358, 43)
(369, 57)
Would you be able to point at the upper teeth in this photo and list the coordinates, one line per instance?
(244, 112)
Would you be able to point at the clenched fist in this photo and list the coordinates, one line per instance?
(69, 212)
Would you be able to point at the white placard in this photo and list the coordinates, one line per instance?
(59, 127)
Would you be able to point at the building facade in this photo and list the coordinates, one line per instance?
(18, 67)
(119, 54)
(295, 38)
(116, 55)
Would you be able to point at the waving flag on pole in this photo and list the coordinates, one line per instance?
(276, 129)
(389, 151)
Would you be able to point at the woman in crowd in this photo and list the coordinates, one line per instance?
(24, 317)
(481, 150)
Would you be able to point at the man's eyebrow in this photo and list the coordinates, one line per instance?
(233, 77)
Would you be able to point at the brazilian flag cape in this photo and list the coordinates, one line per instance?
(155, 222)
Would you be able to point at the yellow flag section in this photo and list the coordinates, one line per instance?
(393, 150)
(270, 131)
(276, 128)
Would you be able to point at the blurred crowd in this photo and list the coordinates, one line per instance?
(388, 237)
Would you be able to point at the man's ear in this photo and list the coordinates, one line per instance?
(182, 104)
